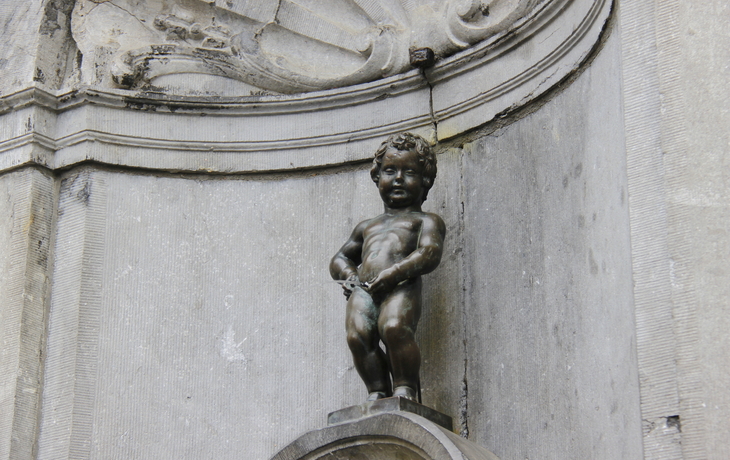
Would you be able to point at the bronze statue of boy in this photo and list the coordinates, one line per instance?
(383, 261)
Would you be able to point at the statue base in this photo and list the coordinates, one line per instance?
(389, 428)
(382, 406)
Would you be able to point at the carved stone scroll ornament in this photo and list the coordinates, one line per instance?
(285, 46)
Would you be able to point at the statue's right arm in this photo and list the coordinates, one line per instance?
(344, 264)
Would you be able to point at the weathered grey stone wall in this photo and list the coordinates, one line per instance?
(675, 56)
(193, 318)
(27, 202)
(700, 215)
(551, 368)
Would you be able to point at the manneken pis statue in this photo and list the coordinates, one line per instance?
(383, 261)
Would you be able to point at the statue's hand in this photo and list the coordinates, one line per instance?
(383, 283)
(347, 288)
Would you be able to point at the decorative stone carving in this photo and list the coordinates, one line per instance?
(210, 122)
(285, 46)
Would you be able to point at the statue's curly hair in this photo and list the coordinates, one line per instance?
(407, 142)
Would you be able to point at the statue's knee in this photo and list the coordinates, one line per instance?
(394, 330)
(357, 340)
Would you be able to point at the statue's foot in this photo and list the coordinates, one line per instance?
(405, 392)
(375, 395)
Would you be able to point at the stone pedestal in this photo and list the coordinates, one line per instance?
(386, 405)
(391, 428)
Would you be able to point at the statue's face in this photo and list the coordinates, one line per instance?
(401, 181)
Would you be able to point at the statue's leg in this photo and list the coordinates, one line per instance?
(399, 315)
(363, 340)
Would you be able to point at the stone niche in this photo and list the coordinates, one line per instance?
(178, 174)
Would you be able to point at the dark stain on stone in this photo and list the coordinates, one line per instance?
(84, 194)
(210, 54)
(136, 105)
(67, 97)
(39, 76)
(126, 80)
(56, 15)
(162, 50)
(578, 170)
(558, 336)
(42, 254)
(42, 260)
(581, 221)
(673, 421)
(50, 20)
(614, 407)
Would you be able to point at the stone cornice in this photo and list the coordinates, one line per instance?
(155, 130)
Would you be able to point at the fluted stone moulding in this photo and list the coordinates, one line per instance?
(244, 86)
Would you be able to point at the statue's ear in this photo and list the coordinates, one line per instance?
(427, 182)
(375, 176)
